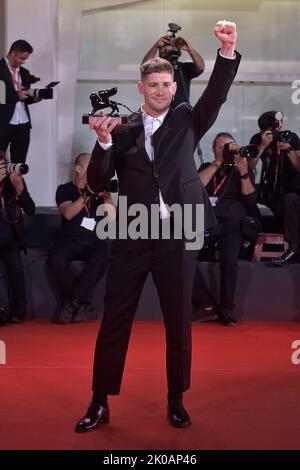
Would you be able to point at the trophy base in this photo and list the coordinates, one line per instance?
(90, 118)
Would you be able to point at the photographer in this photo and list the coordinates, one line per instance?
(77, 240)
(170, 48)
(14, 198)
(279, 187)
(230, 185)
(15, 121)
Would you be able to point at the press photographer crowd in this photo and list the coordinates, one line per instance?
(241, 175)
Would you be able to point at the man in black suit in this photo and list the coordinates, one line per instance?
(15, 121)
(153, 157)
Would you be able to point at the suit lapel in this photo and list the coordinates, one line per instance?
(160, 136)
(7, 72)
(137, 130)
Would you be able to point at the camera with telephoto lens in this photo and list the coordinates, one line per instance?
(281, 136)
(173, 55)
(19, 168)
(232, 149)
(111, 187)
(101, 100)
(40, 93)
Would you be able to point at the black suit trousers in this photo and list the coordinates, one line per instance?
(173, 271)
(18, 137)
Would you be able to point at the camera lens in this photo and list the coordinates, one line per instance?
(248, 151)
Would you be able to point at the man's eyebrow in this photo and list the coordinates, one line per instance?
(169, 82)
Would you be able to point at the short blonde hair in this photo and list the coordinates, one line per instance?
(156, 65)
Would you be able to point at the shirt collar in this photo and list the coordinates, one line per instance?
(13, 70)
(147, 118)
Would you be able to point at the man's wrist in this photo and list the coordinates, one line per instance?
(227, 52)
(245, 176)
(20, 192)
(105, 145)
(216, 163)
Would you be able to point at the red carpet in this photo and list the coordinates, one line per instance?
(245, 390)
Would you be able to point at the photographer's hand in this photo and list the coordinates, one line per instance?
(103, 127)
(196, 58)
(106, 196)
(183, 44)
(246, 183)
(225, 31)
(22, 95)
(266, 139)
(241, 164)
(284, 146)
(163, 41)
(17, 181)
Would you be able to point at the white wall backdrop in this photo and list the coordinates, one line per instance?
(94, 44)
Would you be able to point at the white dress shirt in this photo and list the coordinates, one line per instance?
(151, 124)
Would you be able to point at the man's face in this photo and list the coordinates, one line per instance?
(279, 126)
(81, 169)
(158, 90)
(18, 58)
(219, 147)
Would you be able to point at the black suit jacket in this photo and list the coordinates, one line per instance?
(7, 110)
(173, 170)
(13, 213)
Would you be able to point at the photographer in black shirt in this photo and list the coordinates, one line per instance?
(279, 187)
(184, 72)
(77, 240)
(230, 186)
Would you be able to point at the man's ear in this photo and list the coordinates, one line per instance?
(141, 87)
(174, 88)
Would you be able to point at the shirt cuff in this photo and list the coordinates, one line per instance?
(105, 146)
(233, 57)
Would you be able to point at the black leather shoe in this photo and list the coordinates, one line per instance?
(177, 415)
(82, 312)
(66, 312)
(225, 318)
(95, 415)
(16, 320)
(283, 259)
(229, 321)
(206, 314)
